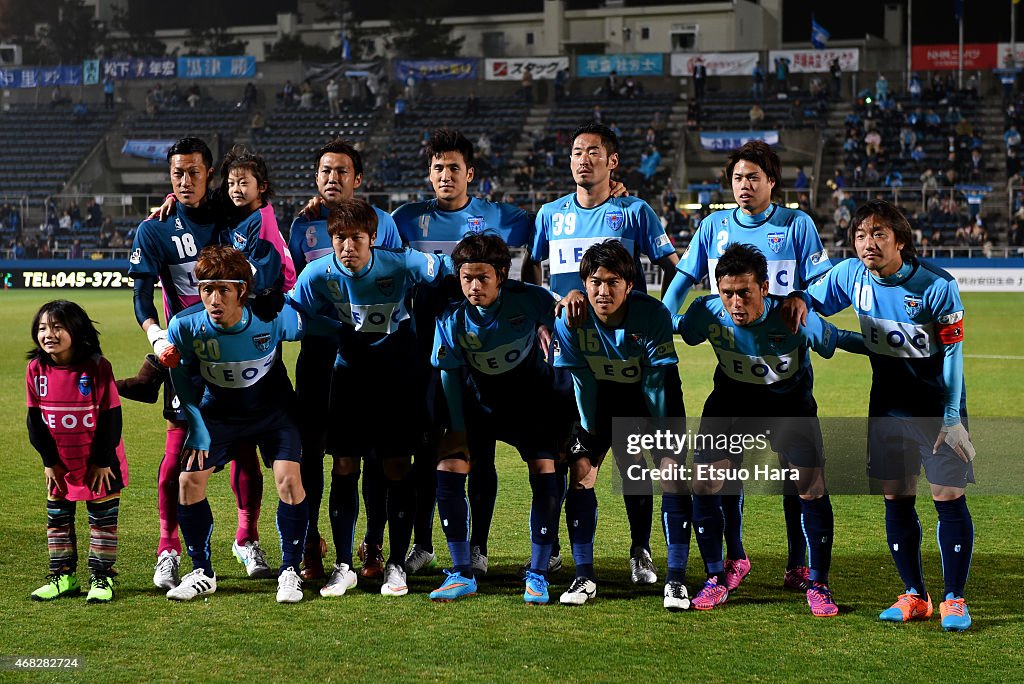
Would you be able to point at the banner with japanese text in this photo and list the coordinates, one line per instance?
(217, 67)
(816, 61)
(512, 68)
(40, 77)
(731, 140)
(139, 67)
(716, 63)
(640, 64)
(435, 69)
(947, 57)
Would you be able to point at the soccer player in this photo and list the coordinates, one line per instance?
(763, 385)
(513, 395)
(565, 229)
(166, 250)
(912, 321)
(375, 381)
(437, 225)
(619, 359)
(339, 173)
(789, 241)
(246, 397)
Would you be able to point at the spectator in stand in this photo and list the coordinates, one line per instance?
(649, 163)
(756, 116)
(872, 141)
(596, 114)
(881, 87)
(257, 124)
(472, 104)
(781, 74)
(919, 156)
(1011, 137)
(929, 184)
(1013, 166)
(758, 81)
(194, 96)
(630, 89)
(651, 136)
(611, 87)
(908, 139)
(933, 123)
(399, 111)
(836, 72)
(288, 95)
(700, 78)
(249, 95)
(801, 181)
(95, 213)
(915, 88)
(75, 251)
(108, 92)
(975, 167)
(306, 95)
(561, 84)
(526, 84)
(117, 240)
(333, 97)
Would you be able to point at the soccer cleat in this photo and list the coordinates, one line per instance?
(312, 561)
(101, 589)
(554, 565)
(641, 568)
(478, 561)
(536, 589)
(797, 579)
(676, 597)
(394, 581)
(195, 583)
(909, 606)
(955, 616)
(250, 555)
(165, 575)
(418, 559)
(57, 585)
(289, 586)
(341, 580)
(819, 598)
(579, 592)
(372, 558)
(711, 594)
(454, 587)
(735, 571)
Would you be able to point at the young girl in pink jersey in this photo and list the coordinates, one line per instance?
(74, 422)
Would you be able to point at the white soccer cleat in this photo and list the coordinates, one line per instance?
(478, 561)
(251, 556)
(289, 586)
(579, 592)
(676, 597)
(194, 584)
(641, 568)
(418, 559)
(341, 580)
(394, 581)
(165, 575)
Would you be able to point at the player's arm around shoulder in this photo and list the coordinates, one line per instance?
(428, 268)
(693, 325)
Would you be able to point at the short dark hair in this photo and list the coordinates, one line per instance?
(613, 256)
(85, 340)
(890, 216)
(354, 213)
(339, 146)
(240, 157)
(484, 248)
(760, 153)
(191, 145)
(449, 140)
(224, 262)
(739, 258)
(608, 138)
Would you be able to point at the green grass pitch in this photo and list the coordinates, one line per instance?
(761, 634)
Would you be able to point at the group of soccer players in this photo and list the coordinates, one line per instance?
(420, 351)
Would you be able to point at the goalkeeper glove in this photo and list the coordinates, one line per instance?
(166, 352)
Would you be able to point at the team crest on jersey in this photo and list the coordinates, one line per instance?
(136, 257)
(476, 224)
(386, 286)
(775, 241)
(912, 305)
(566, 204)
(262, 341)
(239, 241)
(85, 384)
(614, 220)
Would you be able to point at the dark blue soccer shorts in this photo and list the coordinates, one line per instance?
(276, 435)
(899, 447)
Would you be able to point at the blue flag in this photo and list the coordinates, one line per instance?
(958, 10)
(819, 36)
(346, 48)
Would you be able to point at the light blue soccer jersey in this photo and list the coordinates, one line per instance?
(619, 355)
(763, 354)
(911, 323)
(169, 249)
(374, 302)
(787, 238)
(428, 228)
(309, 240)
(565, 230)
(239, 365)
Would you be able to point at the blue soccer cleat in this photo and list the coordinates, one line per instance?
(955, 617)
(536, 589)
(455, 587)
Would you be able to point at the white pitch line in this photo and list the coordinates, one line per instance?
(993, 356)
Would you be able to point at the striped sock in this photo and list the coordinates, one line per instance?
(60, 535)
(103, 535)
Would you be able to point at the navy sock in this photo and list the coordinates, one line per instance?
(483, 492)
(732, 512)
(581, 519)
(956, 543)
(676, 511)
(639, 511)
(453, 509)
(401, 498)
(818, 525)
(291, 525)
(425, 488)
(343, 509)
(375, 501)
(562, 472)
(903, 534)
(707, 526)
(543, 519)
(196, 524)
(792, 509)
(312, 471)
